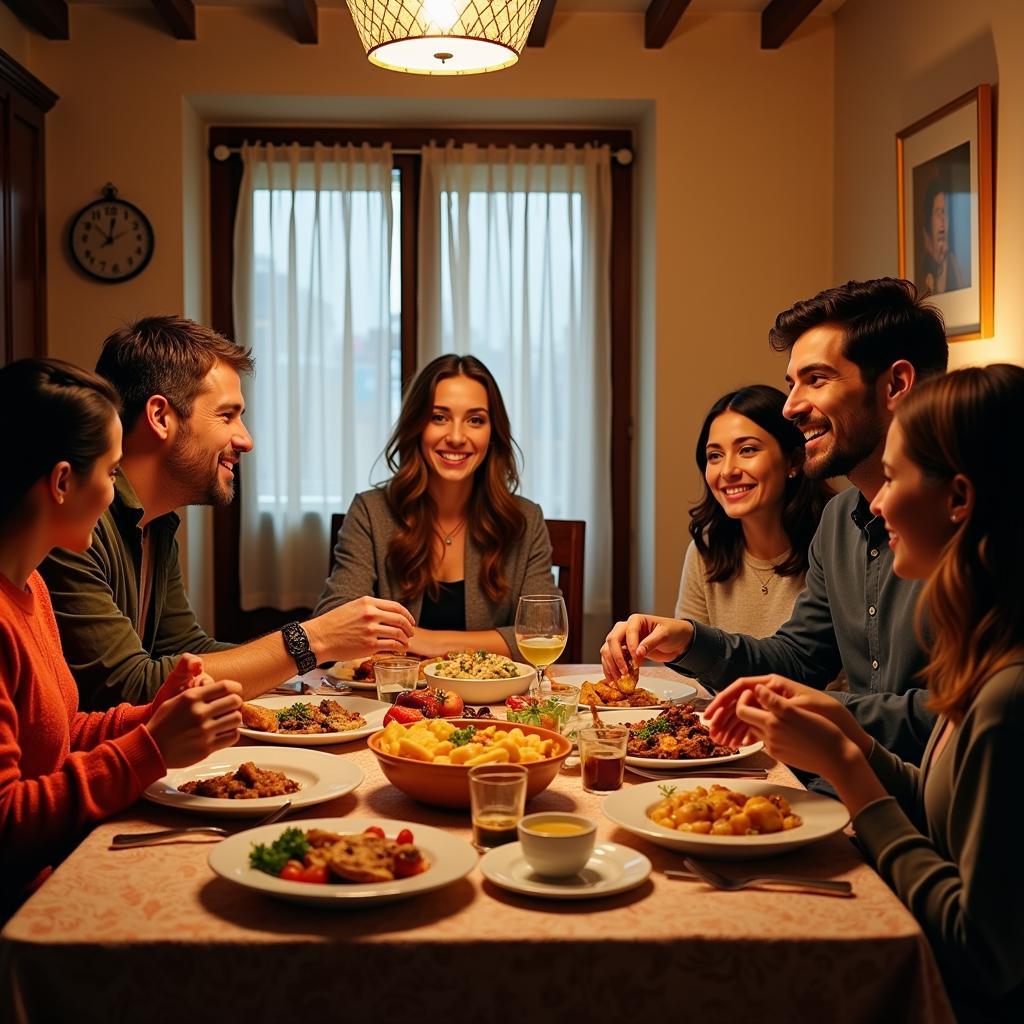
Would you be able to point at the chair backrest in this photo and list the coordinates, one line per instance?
(336, 520)
(567, 541)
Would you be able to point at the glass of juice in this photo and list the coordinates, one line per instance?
(602, 756)
(393, 675)
(542, 628)
(497, 796)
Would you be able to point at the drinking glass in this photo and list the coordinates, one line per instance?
(602, 756)
(394, 675)
(542, 628)
(497, 795)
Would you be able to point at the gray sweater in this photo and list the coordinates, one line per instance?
(948, 840)
(361, 567)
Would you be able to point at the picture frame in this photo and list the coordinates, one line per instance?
(944, 200)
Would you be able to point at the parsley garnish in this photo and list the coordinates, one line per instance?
(666, 791)
(651, 728)
(299, 711)
(461, 737)
(291, 844)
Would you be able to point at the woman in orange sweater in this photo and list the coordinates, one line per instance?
(62, 769)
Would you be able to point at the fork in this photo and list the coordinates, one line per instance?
(711, 771)
(338, 685)
(821, 886)
(124, 840)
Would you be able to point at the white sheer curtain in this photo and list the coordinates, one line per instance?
(315, 295)
(514, 256)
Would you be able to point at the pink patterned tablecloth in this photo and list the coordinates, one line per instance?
(152, 934)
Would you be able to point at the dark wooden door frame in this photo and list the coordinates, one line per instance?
(225, 181)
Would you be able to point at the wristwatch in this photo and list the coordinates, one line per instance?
(296, 643)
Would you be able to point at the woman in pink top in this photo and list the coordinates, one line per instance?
(61, 769)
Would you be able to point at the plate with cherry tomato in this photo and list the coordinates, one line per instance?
(278, 860)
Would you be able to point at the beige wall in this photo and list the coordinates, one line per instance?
(734, 173)
(895, 63)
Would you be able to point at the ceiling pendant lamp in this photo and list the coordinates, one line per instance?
(443, 37)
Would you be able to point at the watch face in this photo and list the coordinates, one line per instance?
(111, 240)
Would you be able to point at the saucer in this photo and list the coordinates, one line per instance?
(611, 869)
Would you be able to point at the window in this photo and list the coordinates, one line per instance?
(540, 322)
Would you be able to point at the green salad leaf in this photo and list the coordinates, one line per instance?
(291, 844)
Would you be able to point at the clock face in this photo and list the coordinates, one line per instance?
(111, 240)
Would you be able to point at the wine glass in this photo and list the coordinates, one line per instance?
(542, 628)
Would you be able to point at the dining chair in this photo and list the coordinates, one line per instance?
(567, 545)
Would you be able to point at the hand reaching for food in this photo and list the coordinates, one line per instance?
(641, 637)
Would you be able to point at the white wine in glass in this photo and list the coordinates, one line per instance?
(542, 629)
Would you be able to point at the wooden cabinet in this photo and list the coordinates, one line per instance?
(24, 101)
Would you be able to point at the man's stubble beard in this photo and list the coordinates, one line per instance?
(189, 468)
(843, 460)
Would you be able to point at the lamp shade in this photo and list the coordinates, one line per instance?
(443, 37)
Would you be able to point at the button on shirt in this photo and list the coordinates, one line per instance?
(854, 614)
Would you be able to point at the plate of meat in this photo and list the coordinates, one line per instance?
(312, 721)
(247, 782)
(358, 673)
(674, 737)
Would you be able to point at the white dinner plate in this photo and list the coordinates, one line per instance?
(622, 715)
(821, 815)
(321, 776)
(666, 690)
(372, 710)
(342, 671)
(450, 859)
(611, 869)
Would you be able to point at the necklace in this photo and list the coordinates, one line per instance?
(764, 576)
(448, 537)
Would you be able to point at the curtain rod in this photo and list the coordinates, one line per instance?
(622, 156)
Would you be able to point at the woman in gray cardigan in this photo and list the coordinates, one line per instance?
(946, 836)
(446, 535)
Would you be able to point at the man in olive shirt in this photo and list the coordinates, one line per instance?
(854, 352)
(121, 606)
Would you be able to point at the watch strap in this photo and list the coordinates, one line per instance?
(296, 643)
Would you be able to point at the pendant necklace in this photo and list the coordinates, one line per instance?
(762, 578)
(448, 537)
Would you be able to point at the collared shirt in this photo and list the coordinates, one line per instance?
(95, 597)
(854, 614)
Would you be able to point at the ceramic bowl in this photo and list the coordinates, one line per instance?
(447, 785)
(483, 691)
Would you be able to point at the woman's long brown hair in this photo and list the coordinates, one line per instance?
(493, 519)
(970, 615)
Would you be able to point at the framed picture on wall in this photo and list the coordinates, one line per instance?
(944, 182)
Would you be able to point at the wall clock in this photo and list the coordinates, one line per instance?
(111, 240)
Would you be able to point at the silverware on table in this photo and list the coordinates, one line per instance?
(336, 684)
(124, 840)
(701, 872)
(297, 686)
(711, 771)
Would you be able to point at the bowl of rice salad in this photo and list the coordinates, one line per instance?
(480, 677)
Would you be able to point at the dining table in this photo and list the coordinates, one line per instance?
(152, 933)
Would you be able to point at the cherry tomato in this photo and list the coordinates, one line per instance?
(405, 836)
(292, 871)
(409, 863)
(315, 873)
(374, 830)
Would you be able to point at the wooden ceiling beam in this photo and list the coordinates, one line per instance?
(781, 18)
(178, 15)
(539, 30)
(47, 17)
(660, 21)
(304, 18)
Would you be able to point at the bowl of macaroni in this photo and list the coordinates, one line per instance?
(430, 760)
(480, 677)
